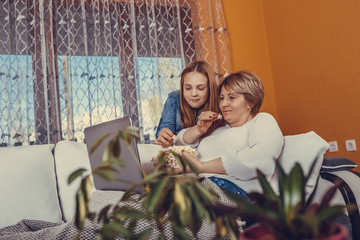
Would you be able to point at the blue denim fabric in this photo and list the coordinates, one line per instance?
(170, 116)
(230, 186)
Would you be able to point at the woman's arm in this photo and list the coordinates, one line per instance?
(212, 166)
(264, 147)
(205, 120)
(167, 125)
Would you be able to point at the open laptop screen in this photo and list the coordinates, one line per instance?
(128, 175)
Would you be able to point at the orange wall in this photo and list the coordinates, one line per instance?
(245, 24)
(313, 62)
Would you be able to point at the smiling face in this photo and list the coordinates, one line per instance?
(196, 89)
(234, 107)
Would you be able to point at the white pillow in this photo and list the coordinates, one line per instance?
(70, 156)
(305, 149)
(28, 185)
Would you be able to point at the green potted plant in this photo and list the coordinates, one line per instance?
(176, 200)
(286, 215)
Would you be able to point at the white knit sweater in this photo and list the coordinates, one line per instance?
(254, 145)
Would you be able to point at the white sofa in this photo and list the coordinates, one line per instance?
(33, 179)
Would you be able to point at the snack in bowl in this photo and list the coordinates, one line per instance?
(170, 162)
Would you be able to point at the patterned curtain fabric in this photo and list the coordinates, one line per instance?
(69, 64)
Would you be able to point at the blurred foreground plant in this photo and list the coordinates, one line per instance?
(287, 215)
(178, 200)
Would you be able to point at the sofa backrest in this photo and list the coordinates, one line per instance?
(69, 156)
(28, 185)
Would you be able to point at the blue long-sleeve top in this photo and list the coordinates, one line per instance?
(170, 116)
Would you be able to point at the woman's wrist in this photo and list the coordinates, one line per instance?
(192, 135)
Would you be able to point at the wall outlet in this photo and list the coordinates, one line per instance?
(333, 147)
(350, 145)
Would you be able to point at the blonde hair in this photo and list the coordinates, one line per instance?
(188, 114)
(250, 85)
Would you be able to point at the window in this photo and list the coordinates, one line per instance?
(66, 65)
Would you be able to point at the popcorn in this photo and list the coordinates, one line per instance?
(219, 116)
(171, 162)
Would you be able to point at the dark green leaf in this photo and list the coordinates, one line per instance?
(105, 173)
(294, 192)
(98, 142)
(117, 161)
(203, 193)
(267, 189)
(103, 214)
(125, 137)
(180, 233)
(133, 214)
(199, 209)
(76, 174)
(111, 230)
(325, 201)
(86, 187)
(331, 212)
(81, 210)
(154, 176)
(156, 193)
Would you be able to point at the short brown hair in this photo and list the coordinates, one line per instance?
(250, 85)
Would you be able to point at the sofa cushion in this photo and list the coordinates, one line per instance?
(305, 149)
(28, 185)
(332, 164)
(69, 156)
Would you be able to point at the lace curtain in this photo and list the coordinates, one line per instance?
(69, 64)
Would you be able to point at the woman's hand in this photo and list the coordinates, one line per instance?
(165, 138)
(195, 161)
(212, 166)
(205, 120)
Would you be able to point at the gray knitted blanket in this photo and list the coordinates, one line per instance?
(35, 229)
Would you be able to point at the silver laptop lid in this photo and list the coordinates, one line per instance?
(128, 175)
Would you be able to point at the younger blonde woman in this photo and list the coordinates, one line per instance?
(198, 93)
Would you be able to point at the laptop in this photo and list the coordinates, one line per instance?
(128, 175)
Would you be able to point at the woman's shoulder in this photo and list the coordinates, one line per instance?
(174, 94)
(264, 117)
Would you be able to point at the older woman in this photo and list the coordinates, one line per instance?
(250, 140)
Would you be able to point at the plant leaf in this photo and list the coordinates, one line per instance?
(294, 192)
(105, 172)
(325, 201)
(81, 210)
(133, 214)
(330, 212)
(103, 214)
(180, 232)
(156, 193)
(111, 230)
(76, 174)
(265, 185)
(86, 187)
(98, 142)
(152, 177)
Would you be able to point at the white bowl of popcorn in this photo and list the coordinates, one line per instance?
(171, 162)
